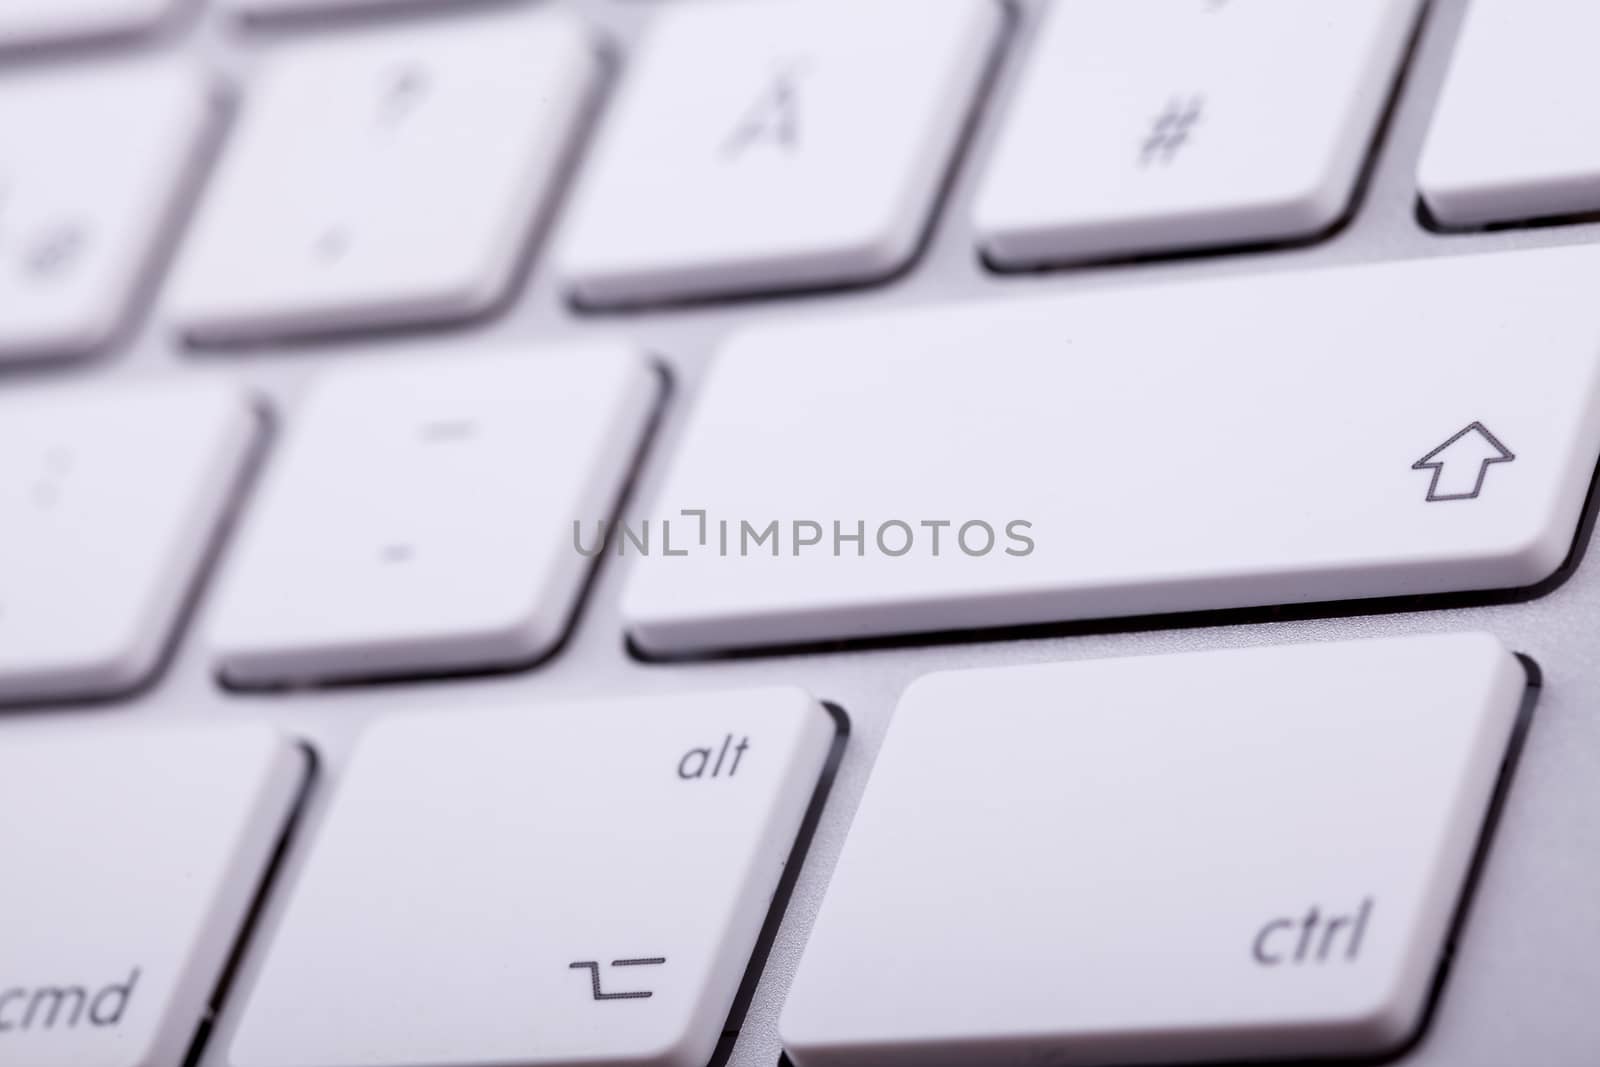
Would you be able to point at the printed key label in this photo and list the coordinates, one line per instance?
(712, 761)
(1317, 936)
(64, 1006)
(599, 993)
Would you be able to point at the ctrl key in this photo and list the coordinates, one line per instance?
(129, 862)
(1219, 857)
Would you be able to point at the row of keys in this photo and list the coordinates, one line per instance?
(443, 514)
(419, 518)
(398, 174)
(532, 886)
(395, 175)
(586, 882)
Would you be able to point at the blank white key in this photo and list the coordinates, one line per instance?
(1328, 435)
(385, 177)
(131, 861)
(421, 517)
(36, 22)
(1159, 125)
(782, 144)
(1502, 146)
(92, 165)
(1205, 858)
(579, 883)
(109, 503)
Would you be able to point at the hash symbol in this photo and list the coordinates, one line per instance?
(1169, 131)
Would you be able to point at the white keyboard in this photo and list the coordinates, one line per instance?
(838, 533)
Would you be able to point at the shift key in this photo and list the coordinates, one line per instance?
(1372, 431)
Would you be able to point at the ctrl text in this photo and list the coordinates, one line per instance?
(1316, 937)
(64, 1007)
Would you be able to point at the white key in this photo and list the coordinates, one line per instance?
(386, 177)
(421, 517)
(805, 146)
(110, 501)
(92, 165)
(36, 22)
(579, 883)
(132, 858)
(1264, 440)
(1502, 146)
(1159, 125)
(1229, 856)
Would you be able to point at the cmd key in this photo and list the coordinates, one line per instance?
(1370, 431)
(131, 860)
(1208, 858)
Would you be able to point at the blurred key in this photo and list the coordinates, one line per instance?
(92, 165)
(1504, 144)
(783, 144)
(110, 501)
(1147, 126)
(42, 22)
(386, 176)
(421, 515)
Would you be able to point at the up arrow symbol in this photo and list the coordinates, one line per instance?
(1462, 463)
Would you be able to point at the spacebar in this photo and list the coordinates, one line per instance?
(1399, 429)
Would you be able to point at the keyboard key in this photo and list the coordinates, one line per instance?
(580, 883)
(91, 170)
(386, 177)
(1502, 146)
(806, 148)
(1157, 127)
(1206, 858)
(37, 22)
(421, 517)
(110, 501)
(132, 860)
(1314, 436)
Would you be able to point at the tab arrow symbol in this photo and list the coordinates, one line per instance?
(1462, 463)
